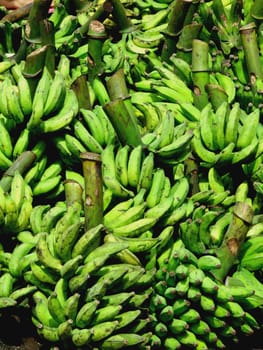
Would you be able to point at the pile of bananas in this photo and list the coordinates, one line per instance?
(168, 96)
(192, 309)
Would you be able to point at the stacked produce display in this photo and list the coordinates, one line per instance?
(131, 184)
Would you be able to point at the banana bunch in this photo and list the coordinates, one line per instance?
(12, 294)
(251, 255)
(95, 297)
(91, 132)
(54, 105)
(16, 205)
(11, 104)
(226, 136)
(45, 177)
(190, 308)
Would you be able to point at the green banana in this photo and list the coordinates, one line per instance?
(134, 165)
(70, 266)
(208, 262)
(118, 341)
(67, 240)
(15, 259)
(81, 337)
(40, 309)
(6, 284)
(121, 164)
(248, 130)
(94, 125)
(103, 330)
(86, 313)
(42, 273)
(135, 228)
(39, 99)
(207, 156)
(154, 195)
(21, 144)
(109, 248)
(232, 122)
(45, 256)
(5, 140)
(88, 241)
(146, 172)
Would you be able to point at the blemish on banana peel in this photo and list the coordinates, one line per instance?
(197, 91)
(89, 201)
(233, 245)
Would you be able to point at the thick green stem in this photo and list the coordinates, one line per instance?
(100, 15)
(200, 72)
(234, 237)
(17, 14)
(120, 17)
(48, 39)
(80, 86)
(38, 12)
(93, 202)
(117, 88)
(189, 33)
(73, 193)
(125, 126)
(192, 171)
(35, 61)
(216, 95)
(251, 50)
(178, 14)
(96, 37)
(21, 164)
(116, 85)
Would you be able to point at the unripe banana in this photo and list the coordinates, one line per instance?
(155, 190)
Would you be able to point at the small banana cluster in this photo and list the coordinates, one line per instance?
(91, 132)
(44, 176)
(54, 105)
(227, 136)
(190, 308)
(16, 205)
(251, 255)
(12, 294)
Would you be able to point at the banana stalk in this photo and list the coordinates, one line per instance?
(188, 34)
(177, 17)
(125, 126)
(93, 202)
(34, 64)
(73, 192)
(38, 12)
(96, 37)
(81, 90)
(233, 239)
(48, 39)
(21, 164)
(17, 14)
(200, 72)
(100, 15)
(117, 88)
(251, 51)
(216, 95)
(116, 85)
(120, 17)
